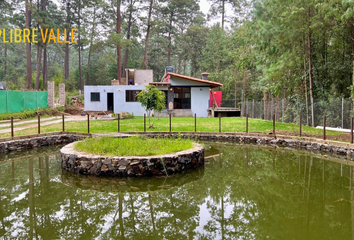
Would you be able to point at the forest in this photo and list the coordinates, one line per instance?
(259, 49)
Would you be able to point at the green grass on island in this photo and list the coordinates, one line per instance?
(132, 146)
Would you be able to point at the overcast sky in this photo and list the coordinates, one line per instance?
(205, 6)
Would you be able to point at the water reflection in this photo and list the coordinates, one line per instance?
(243, 192)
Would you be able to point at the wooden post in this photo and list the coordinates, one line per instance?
(247, 123)
(88, 123)
(274, 124)
(118, 122)
(144, 122)
(12, 127)
(195, 122)
(324, 127)
(170, 123)
(63, 123)
(300, 124)
(351, 130)
(39, 124)
(219, 122)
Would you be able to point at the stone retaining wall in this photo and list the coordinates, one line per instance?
(339, 148)
(38, 141)
(97, 165)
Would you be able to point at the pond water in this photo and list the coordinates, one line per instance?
(242, 192)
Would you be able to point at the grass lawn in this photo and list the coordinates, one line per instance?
(181, 124)
(111, 146)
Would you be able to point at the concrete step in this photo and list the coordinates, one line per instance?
(177, 113)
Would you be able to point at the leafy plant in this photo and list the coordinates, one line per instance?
(151, 99)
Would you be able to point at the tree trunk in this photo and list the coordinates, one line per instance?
(352, 53)
(310, 69)
(39, 61)
(79, 43)
(147, 34)
(128, 37)
(236, 87)
(180, 65)
(28, 46)
(66, 59)
(90, 49)
(244, 92)
(5, 61)
(45, 68)
(45, 65)
(223, 14)
(119, 53)
(277, 110)
(305, 81)
(169, 42)
(265, 110)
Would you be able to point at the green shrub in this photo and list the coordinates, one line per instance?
(127, 115)
(33, 113)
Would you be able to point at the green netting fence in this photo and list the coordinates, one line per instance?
(18, 101)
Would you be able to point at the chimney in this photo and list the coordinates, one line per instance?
(169, 69)
(205, 75)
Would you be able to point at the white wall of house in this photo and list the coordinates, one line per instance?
(199, 101)
(182, 82)
(119, 95)
(199, 97)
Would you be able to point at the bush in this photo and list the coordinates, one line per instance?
(33, 113)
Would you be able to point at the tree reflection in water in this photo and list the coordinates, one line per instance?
(243, 192)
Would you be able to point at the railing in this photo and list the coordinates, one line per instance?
(195, 125)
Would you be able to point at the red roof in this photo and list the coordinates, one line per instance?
(211, 83)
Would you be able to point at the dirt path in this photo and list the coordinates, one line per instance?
(33, 123)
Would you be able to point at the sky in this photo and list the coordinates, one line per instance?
(204, 6)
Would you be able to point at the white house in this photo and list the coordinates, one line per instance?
(185, 95)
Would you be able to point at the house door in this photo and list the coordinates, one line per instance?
(110, 101)
(182, 97)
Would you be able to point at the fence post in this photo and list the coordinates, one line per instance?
(12, 127)
(170, 123)
(219, 122)
(118, 122)
(300, 124)
(324, 127)
(39, 124)
(63, 123)
(274, 124)
(88, 123)
(247, 123)
(253, 108)
(351, 130)
(144, 122)
(195, 122)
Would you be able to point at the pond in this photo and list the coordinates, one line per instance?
(242, 192)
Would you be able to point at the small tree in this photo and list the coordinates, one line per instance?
(151, 99)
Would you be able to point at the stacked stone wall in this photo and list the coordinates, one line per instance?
(39, 141)
(132, 166)
(61, 94)
(50, 97)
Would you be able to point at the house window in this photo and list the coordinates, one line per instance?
(95, 97)
(131, 95)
